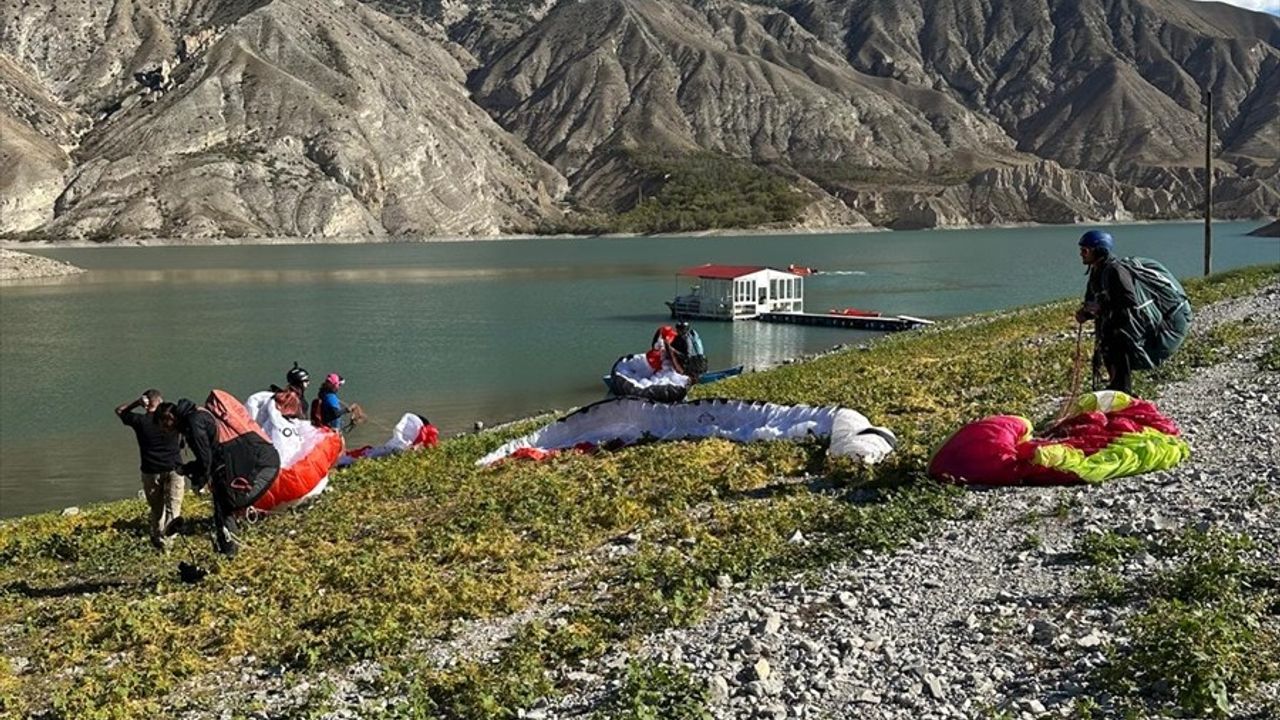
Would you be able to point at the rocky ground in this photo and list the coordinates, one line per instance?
(978, 619)
(16, 265)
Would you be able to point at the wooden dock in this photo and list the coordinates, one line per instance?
(888, 323)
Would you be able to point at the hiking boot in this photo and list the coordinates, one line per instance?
(224, 537)
(174, 527)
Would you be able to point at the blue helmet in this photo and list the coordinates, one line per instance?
(1098, 240)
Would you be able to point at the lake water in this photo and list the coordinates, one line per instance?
(457, 332)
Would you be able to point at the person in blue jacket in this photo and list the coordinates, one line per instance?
(327, 410)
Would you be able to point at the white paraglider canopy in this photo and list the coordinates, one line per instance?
(626, 421)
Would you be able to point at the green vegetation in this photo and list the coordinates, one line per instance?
(701, 191)
(705, 191)
(1108, 549)
(659, 692)
(95, 625)
(1205, 632)
(840, 173)
(1270, 359)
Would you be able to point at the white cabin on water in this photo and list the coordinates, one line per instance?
(738, 292)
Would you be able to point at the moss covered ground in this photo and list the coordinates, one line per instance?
(94, 624)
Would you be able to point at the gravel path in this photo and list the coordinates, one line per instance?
(974, 621)
(16, 265)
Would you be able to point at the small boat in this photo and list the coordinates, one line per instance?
(703, 379)
(801, 270)
(854, 312)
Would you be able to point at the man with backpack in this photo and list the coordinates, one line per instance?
(232, 456)
(1140, 311)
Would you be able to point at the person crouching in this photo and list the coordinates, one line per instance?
(327, 410)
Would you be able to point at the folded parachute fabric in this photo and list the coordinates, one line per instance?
(626, 421)
(306, 452)
(636, 376)
(1106, 435)
(412, 431)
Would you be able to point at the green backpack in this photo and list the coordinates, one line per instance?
(1158, 325)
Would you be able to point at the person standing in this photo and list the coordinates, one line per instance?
(160, 452)
(1109, 296)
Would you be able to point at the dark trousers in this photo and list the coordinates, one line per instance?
(1119, 372)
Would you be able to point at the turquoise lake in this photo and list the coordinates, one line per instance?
(459, 331)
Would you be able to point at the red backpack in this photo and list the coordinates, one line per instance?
(232, 416)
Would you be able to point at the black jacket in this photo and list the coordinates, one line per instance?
(1111, 286)
(201, 432)
(240, 469)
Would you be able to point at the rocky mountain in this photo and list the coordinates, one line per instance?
(189, 118)
(245, 118)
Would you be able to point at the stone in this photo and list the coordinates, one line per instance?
(935, 686)
(1043, 631)
(772, 623)
(718, 687)
(868, 697)
(760, 670)
(1089, 641)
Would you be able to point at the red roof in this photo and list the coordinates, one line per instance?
(721, 272)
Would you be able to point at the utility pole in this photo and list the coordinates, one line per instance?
(1208, 181)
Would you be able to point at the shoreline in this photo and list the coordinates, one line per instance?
(18, 265)
(9, 243)
(779, 584)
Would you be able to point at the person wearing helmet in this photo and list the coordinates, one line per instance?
(327, 410)
(1108, 295)
(687, 348)
(660, 353)
(291, 400)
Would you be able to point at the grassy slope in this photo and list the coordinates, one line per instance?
(101, 627)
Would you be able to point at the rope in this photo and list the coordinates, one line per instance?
(370, 421)
(1077, 377)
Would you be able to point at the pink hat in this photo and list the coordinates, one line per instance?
(334, 379)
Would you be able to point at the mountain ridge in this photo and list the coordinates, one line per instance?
(312, 118)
